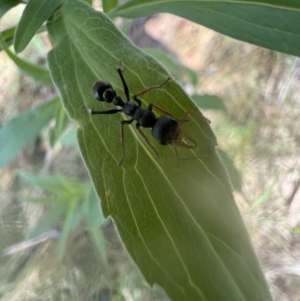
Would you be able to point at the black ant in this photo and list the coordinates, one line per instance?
(166, 129)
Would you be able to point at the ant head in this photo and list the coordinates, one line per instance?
(103, 91)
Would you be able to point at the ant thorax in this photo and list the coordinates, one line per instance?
(129, 108)
(145, 118)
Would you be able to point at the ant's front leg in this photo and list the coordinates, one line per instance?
(139, 102)
(108, 112)
(125, 87)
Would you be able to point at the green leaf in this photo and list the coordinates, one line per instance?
(94, 215)
(234, 175)
(95, 220)
(177, 70)
(209, 102)
(47, 221)
(34, 15)
(177, 218)
(69, 138)
(73, 218)
(52, 183)
(18, 132)
(273, 24)
(38, 73)
(56, 183)
(70, 200)
(8, 36)
(166, 60)
(6, 5)
(61, 122)
(109, 5)
(45, 200)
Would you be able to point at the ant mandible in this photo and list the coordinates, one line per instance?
(166, 129)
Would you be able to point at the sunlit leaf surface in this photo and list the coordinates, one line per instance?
(177, 219)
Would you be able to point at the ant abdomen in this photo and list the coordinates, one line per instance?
(166, 130)
(103, 91)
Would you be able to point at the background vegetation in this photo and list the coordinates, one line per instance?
(258, 129)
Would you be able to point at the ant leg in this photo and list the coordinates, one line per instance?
(176, 152)
(125, 87)
(92, 112)
(139, 102)
(185, 145)
(188, 137)
(152, 105)
(146, 139)
(193, 113)
(122, 138)
(149, 89)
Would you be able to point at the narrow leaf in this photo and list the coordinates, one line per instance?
(8, 36)
(109, 5)
(47, 221)
(166, 60)
(94, 215)
(56, 183)
(38, 73)
(34, 15)
(99, 241)
(69, 138)
(51, 183)
(94, 220)
(53, 200)
(73, 218)
(177, 218)
(18, 132)
(6, 5)
(171, 64)
(207, 101)
(61, 123)
(273, 24)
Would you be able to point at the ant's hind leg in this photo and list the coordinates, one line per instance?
(146, 139)
(197, 114)
(152, 105)
(122, 138)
